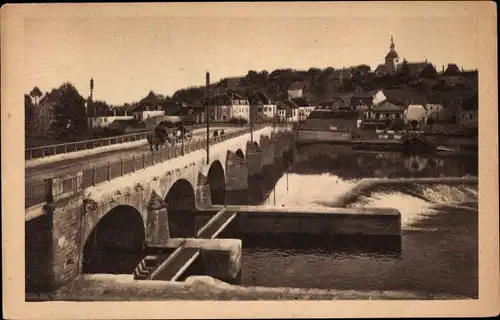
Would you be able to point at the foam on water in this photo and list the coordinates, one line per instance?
(412, 208)
(416, 205)
(445, 194)
(414, 201)
(308, 190)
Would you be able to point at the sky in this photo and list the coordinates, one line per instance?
(129, 56)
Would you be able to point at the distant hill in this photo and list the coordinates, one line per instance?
(319, 84)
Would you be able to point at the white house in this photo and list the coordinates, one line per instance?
(103, 122)
(290, 111)
(143, 113)
(281, 114)
(266, 108)
(296, 90)
(230, 106)
(435, 111)
(415, 112)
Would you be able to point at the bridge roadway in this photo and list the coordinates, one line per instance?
(69, 166)
(173, 267)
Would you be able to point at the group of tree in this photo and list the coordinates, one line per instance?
(320, 82)
(64, 115)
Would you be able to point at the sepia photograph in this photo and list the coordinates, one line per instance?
(251, 152)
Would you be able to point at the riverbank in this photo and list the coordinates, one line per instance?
(124, 288)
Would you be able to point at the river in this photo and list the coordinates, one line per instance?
(438, 250)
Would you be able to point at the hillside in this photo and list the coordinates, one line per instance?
(318, 84)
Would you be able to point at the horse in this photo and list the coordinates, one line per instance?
(158, 137)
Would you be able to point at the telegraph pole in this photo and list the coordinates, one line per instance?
(182, 131)
(250, 100)
(274, 117)
(207, 114)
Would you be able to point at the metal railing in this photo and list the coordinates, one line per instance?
(35, 192)
(63, 148)
(51, 150)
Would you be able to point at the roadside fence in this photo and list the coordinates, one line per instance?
(35, 192)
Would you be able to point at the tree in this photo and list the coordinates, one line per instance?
(263, 78)
(69, 112)
(403, 75)
(363, 69)
(29, 110)
(102, 108)
(36, 93)
(386, 81)
(252, 77)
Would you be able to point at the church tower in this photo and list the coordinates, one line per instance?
(391, 58)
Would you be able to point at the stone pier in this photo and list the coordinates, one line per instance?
(236, 179)
(58, 228)
(255, 173)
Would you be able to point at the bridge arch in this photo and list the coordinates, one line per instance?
(180, 201)
(116, 244)
(240, 153)
(217, 182)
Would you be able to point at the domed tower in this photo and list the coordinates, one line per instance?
(391, 58)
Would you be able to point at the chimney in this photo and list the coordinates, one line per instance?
(91, 89)
(443, 68)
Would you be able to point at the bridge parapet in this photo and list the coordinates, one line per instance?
(34, 193)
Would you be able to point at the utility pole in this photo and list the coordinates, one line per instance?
(183, 131)
(250, 100)
(274, 117)
(207, 114)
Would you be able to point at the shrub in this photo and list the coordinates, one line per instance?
(240, 121)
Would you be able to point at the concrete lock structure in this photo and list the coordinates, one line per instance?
(76, 226)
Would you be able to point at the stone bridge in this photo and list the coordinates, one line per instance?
(80, 230)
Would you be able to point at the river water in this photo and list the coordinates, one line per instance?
(437, 251)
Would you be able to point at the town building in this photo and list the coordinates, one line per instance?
(294, 110)
(193, 113)
(336, 103)
(406, 104)
(326, 124)
(145, 112)
(362, 102)
(415, 70)
(388, 109)
(104, 121)
(470, 112)
(459, 106)
(391, 60)
(297, 89)
(266, 108)
(454, 77)
(227, 106)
